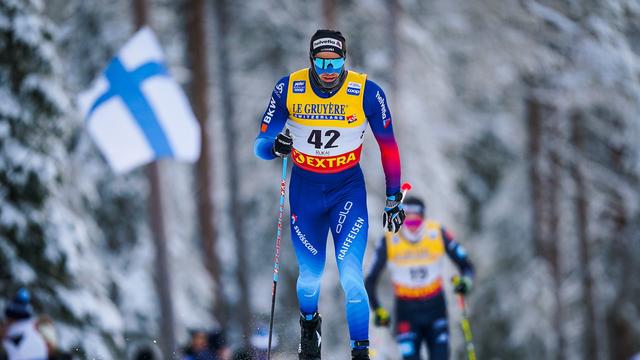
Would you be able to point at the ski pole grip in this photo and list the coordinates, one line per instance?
(405, 189)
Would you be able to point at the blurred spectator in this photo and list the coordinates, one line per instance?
(48, 332)
(146, 352)
(218, 344)
(245, 353)
(21, 339)
(3, 354)
(259, 343)
(198, 348)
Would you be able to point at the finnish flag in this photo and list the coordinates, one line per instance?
(136, 113)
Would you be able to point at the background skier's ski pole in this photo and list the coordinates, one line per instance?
(276, 260)
(464, 323)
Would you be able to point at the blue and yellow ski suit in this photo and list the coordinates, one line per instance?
(327, 190)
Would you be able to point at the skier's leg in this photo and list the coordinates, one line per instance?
(437, 333)
(349, 226)
(309, 230)
(408, 334)
(438, 340)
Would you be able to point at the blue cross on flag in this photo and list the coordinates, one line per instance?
(136, 113)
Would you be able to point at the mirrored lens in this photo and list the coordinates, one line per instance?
(328, 65)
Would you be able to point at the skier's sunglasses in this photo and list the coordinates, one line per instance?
(324, 66)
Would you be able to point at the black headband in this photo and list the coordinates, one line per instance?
(328, 40)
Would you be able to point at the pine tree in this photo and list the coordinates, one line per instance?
(32, 146)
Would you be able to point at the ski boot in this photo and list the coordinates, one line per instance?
(360, 350)
(310, 337)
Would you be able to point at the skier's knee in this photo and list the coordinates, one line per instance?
(355, 292)
(308, 286)
(308, 291)
(309, 277)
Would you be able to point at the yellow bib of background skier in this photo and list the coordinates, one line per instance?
(327, 133)
(416, 268)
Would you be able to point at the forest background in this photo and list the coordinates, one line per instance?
(517, 121)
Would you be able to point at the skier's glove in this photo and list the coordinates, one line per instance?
(382, 317)
(283, 144)
(463, 284)
(393, 216)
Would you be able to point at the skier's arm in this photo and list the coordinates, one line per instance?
(273, 121)
(379, 262)
(379, 116)
(457, 253)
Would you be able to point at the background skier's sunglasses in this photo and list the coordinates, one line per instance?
(325, 66)
(413, 222)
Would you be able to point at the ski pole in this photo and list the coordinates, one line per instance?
(276, 260)
(464, 323)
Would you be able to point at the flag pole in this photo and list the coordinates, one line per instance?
(162, 274)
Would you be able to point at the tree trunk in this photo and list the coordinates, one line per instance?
(534, 124)
(222, 15)
(197, 51)
(620, 327)
(584, 253)
(162, 275)
(552, 252)
(545, 190)
(329, 13)
(394, 9)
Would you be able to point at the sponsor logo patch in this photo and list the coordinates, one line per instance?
(346, 245)
(386, 121)
(353, 88)
(343, 215)
(303, 239)
(328, 111)
(352, 118)
(328, 164)
(299, 87)
(294, 218)
(278, 90)
(271, 110)
(327, 42)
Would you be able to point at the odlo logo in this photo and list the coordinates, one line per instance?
(294, 218)
(343, 215)
(299, 87)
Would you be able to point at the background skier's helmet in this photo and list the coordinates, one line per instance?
(414, 205)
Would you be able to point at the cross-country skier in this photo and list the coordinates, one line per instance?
(415, 256)
(327, 108)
